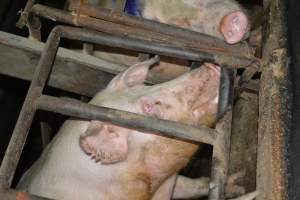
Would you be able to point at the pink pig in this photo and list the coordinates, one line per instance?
(95, 160)
(223, 19)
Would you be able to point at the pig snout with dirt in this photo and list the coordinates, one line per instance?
(224, 19)
(97, 160)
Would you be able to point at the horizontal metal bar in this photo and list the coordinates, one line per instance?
(153, 47)
(19, 195)
(167, 128)
(141, 39)
(208, 42)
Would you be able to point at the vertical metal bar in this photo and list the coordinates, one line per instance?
(221, 150)
(17, 141)
(220, 159)
(24, 15)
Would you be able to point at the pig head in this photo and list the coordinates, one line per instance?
(191, 99)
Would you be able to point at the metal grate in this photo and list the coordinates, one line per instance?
(161, 40)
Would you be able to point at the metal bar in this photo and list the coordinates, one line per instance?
(24, 15)
(220, 159)
(17, 141)
(126, 119)
(142, 35)
(174, 31)
(221, 150)
(72, 71)
(154, 48)
(19, 195)
(275, 107)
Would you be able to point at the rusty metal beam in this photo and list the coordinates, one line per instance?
(126, 119)
(274, 106)
(221, 150)
(159, 42)
(203, 41)
(18, 138)
(73, 71)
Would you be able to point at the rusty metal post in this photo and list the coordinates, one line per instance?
(274, 106)
(221, 146)
(24, 15)
(220, 159)
(17, 141)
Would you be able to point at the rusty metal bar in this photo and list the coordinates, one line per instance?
(142, 35)
(17, 141)
(24, 15)
(154, 32)
(19, 195)
(167, 128)
(174, 31)
(220, 159)
(154, 48)
(221, 150)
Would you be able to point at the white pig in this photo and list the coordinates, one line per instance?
(224, 19)
(95, 160)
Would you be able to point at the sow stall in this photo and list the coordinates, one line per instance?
(112, 28)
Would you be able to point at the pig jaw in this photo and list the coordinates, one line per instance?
(234, 27)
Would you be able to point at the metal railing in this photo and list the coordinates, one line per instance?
(153, 38)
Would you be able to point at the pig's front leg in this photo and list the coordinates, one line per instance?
(188, 188)
(180, 187)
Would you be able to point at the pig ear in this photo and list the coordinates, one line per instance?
(105, 143)
(134, 75)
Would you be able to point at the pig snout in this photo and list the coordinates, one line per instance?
(234, 27)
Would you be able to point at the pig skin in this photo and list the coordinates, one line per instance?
(66, 170)
(224, 19)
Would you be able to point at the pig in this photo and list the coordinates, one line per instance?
(224, 19)
(97, 160)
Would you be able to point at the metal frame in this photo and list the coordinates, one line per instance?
(159, 42)
(36, 100)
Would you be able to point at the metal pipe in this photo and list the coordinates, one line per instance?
(154, 48)
(126, 119)
(24, 15)
(17, 141)
(220, 159)
(221, 150)
(196, 37)
(144, 36)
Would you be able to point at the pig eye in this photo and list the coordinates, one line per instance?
(149, 106)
